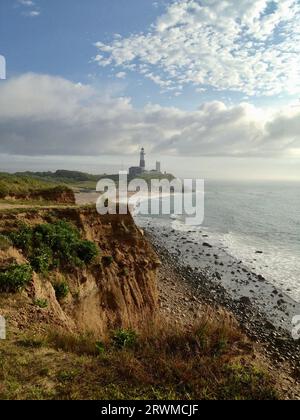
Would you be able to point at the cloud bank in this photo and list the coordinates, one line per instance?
(248, 46)
(44, 115)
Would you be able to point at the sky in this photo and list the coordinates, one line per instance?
(209, 87)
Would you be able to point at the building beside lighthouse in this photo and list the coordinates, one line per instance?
(140, 170)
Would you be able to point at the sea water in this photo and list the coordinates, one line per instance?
(259, 224)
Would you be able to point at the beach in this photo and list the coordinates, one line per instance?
(187, 293)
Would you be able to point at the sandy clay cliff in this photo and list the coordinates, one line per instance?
(117, 291)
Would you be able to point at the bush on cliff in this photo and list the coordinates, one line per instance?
(15, 277)
(61, 290)
(107, 260)
(54, 245)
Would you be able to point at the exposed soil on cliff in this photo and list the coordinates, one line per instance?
(120, 293)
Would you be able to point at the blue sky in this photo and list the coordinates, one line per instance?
(60, 38)
(216, 80)
(60, 41)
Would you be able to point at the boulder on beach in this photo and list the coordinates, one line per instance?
(207, 245)
(246, 301)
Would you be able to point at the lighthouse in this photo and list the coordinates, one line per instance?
(139, 170)
(142, 160)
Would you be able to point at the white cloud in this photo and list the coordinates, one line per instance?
(32, 13)
(30, 9)
(250, 46)
(27, 3)
(121, 75)
(44, 115)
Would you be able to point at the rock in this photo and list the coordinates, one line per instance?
(218, 276)
(207, 245)
(245, 301)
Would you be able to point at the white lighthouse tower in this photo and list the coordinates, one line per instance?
(142, 160)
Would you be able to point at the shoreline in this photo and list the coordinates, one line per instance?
(184, 291)
(196, 251)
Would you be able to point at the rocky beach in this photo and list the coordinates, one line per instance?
(195, 275)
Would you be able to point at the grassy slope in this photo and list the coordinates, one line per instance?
(16, 185)
(207, 362)
(81, 180)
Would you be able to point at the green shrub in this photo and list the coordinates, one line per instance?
(124, 338)
(107, 260)
(41, 303)
(61, 290)
(100, 347)
(5, 243)
(42, 260)
(124, 272)
(87, 251)
(22, 238)
(15, 278)
(53, 245)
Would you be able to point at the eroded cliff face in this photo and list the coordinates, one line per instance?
(102, 297)
(62, 195)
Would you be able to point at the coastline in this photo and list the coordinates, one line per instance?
(185, 291)
(196, 274)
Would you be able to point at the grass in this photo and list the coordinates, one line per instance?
(22, 185)
(81, 180)
(5, 243)
(161, 363)
(41, 303)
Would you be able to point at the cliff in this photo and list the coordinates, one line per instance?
(79, 295)
(117, 291)
(26, 188)
(60, 195)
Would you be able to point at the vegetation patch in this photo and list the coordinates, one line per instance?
(5, 243)
(124, 339)
(54, 245)
(23, 185)
(41, 303)
(107, 260)
(164, 362)
(81, 344)
(61, 290)
(15, 278)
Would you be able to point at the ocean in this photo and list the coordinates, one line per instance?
(250, 217)
(249, 223)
